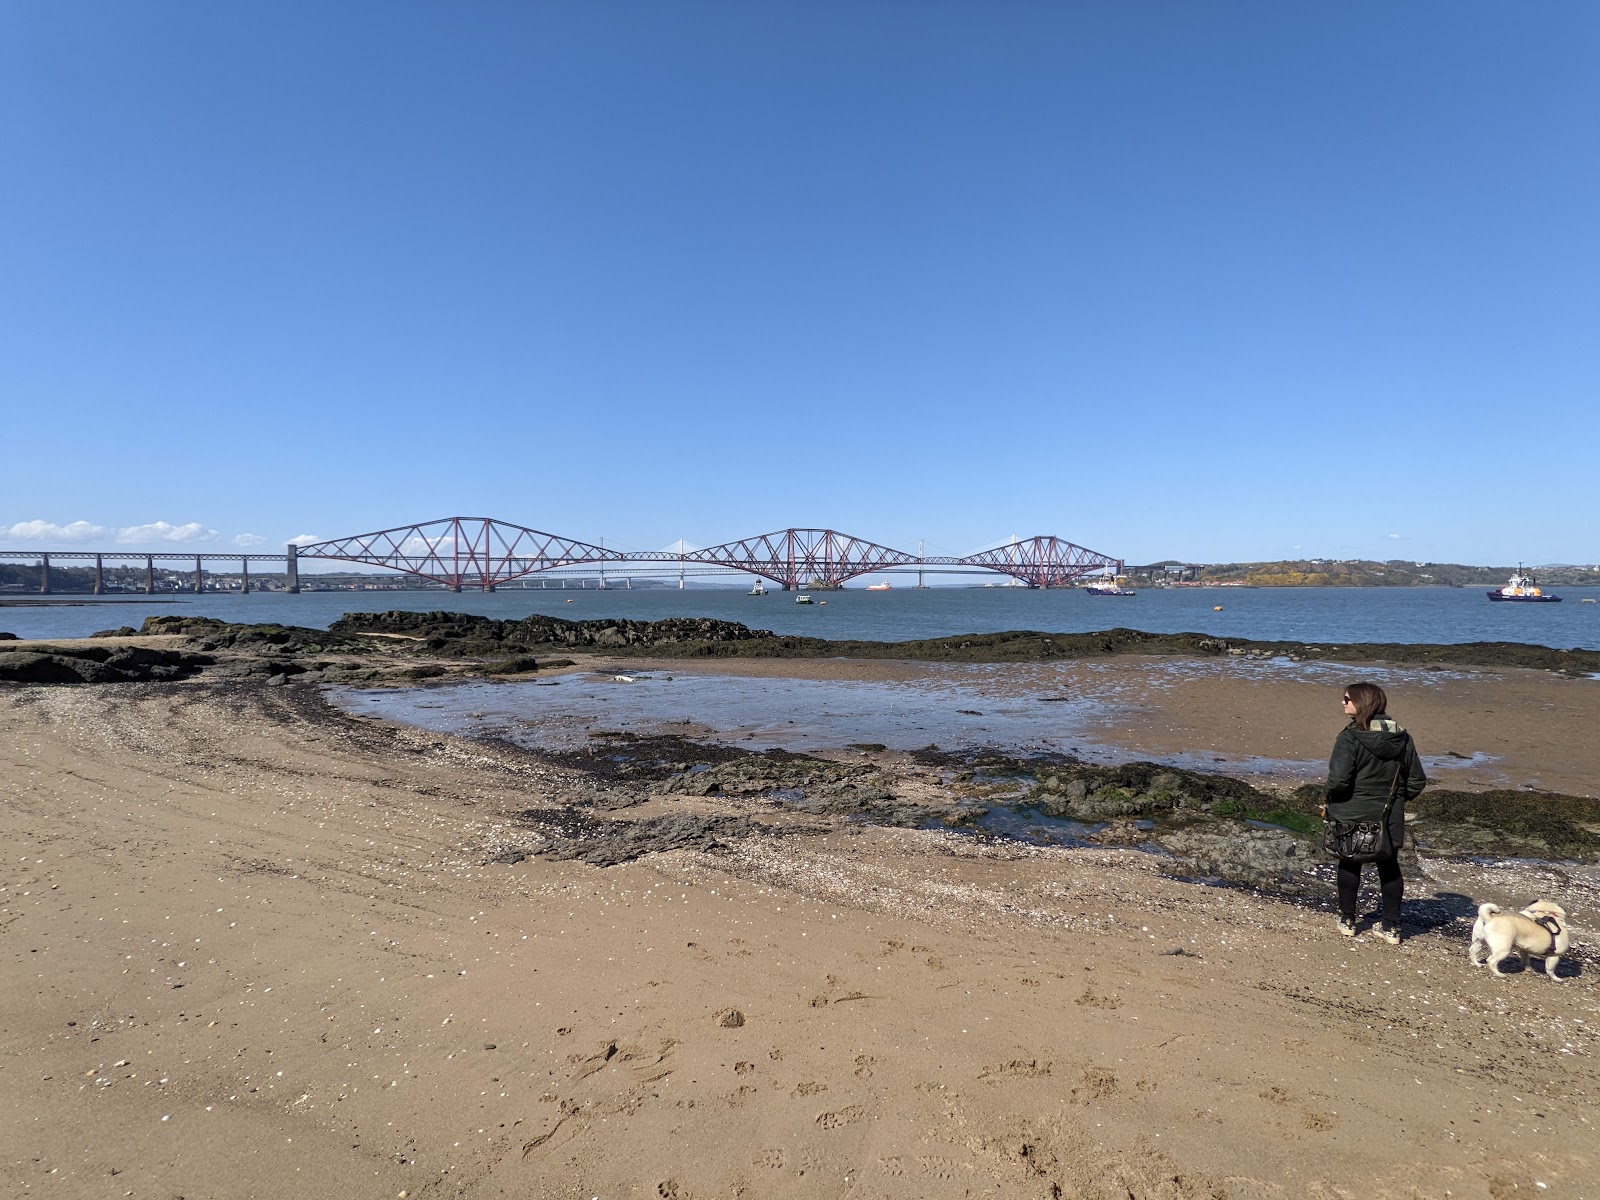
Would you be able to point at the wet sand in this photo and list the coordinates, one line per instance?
(1501, 727)
(257, 947)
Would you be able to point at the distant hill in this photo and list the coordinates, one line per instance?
(1323, 572)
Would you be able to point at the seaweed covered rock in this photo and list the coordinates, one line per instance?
(1507, 823)
(1088, 793)
(98, 664)
(213, 634)
(462, 635)
(607, 843)
(1236, 851)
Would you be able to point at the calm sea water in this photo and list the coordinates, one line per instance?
(1270, 614)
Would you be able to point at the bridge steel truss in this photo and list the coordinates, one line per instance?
(818, 558)
(482, 552)
(1043, 562)
(458, 551)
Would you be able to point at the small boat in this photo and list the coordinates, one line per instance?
(879, 587)
(1109, 587)
(802, 600)
(1523, 589)
(760, 589)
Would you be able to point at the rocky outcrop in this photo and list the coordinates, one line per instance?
(573, 836)
(98, 664)
(1237, 852)
(1506, 823)
(462, 635)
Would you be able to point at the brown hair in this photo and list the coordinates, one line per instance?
(1369, 700)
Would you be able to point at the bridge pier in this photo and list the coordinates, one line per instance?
(149, 575)
(292, 566)
(44, 574)
(99, 575)
(244, 576)
(487, 586)
(198, 584)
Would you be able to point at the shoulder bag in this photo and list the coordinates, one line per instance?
(1364, 841)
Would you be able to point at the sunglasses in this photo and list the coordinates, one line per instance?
(1347, 700)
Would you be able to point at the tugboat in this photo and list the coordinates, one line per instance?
(760, 589)
(1109, 587)
(1523, 589)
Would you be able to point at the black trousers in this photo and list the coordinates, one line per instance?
(1389, 882)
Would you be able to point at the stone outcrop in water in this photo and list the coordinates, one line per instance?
(462, 635)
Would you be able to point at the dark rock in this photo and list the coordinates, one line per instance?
(98, 664)
(574, 836)
(1236, 852)
(23, 667)
(120, 631)
(462, 635)
(520, 664)
(1506, 823)
(8, 637)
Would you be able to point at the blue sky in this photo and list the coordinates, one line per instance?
(1222, 281)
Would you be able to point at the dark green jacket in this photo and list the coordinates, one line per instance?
(1363, 766)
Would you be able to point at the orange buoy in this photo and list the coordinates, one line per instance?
(1215, 608)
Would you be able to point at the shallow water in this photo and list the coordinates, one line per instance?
(1020, 709)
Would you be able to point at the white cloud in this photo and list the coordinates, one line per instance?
(420, 547)
(1394, 537)
(248, 539)
(305, 539)
(161, 531)
(47, 531)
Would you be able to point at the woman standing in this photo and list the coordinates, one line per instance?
(1373, 758)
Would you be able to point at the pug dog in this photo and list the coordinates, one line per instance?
(1538, 931)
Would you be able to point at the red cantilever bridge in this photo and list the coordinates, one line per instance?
(479, 552)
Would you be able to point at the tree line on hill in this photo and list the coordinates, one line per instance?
(1322, 572)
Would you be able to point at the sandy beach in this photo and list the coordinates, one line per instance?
(255, 946)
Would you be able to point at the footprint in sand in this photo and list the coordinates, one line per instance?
(838, 1120)
(771, 1159)
(1020, 1068)
(1315, 1121)
(864, 1065)
(1090, 1000)
(588, 1064)
(1098, 1084)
